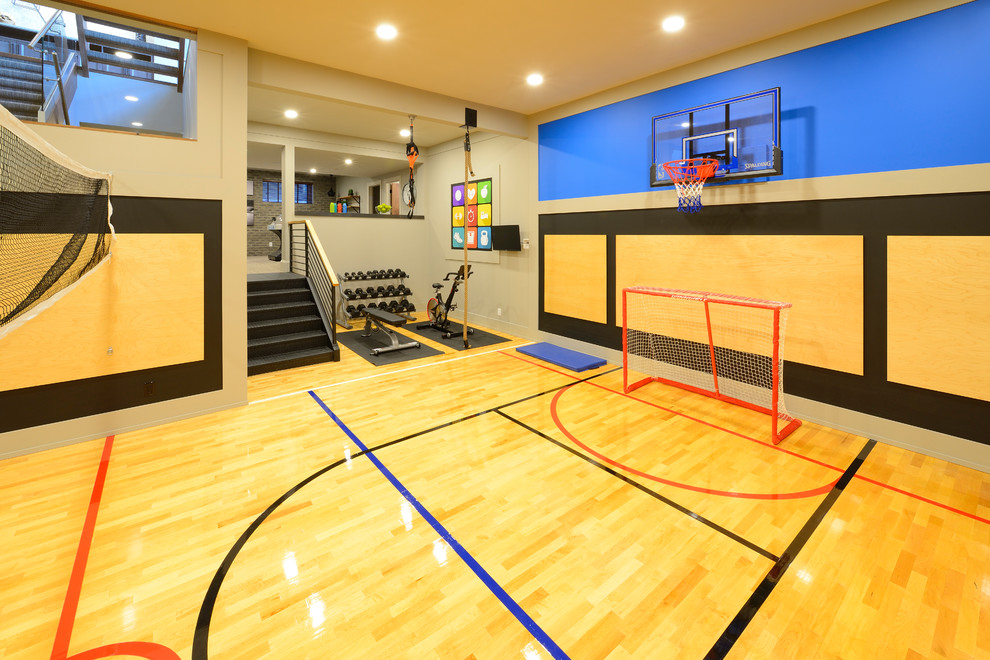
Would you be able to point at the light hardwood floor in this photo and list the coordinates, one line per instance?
(508, 509)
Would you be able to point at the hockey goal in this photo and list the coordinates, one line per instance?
(724, 346)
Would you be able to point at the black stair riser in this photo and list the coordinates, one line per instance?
(21, 96)
(20, 77)
(255, 286)
(18, 108)
(292, 363)
(12, 64)
(288, 346)
(288, 327)
(288, 311)
(277, 297)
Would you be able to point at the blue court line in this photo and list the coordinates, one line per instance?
(500, 593)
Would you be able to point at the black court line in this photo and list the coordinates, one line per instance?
(736, 627)
(201, 635)
(669, 502)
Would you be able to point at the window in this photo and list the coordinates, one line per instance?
(304, 193)
(271, 191)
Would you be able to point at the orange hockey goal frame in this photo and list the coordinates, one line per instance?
(724, 346)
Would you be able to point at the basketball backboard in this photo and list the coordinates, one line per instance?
(742, 133)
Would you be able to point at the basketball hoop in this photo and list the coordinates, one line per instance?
(689, 178)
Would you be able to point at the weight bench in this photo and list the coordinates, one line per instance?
(377, 319)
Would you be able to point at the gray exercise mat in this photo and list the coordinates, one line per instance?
(363, 345)
(477, 339)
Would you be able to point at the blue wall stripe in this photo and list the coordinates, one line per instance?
(906, 96)
(500, 593)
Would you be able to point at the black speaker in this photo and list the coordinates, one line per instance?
(470, 118)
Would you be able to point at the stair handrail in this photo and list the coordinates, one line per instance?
(59, 78)
(40, 34)
(316, 268)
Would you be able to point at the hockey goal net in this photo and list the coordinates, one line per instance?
(724, 346)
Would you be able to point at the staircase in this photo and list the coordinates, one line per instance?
(21, 86)
(285, 329)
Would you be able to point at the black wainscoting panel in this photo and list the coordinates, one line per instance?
(45, 404)
(874, 218)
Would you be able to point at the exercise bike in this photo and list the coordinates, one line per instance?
(438, 310)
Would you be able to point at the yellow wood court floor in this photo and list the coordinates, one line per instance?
(485, 504)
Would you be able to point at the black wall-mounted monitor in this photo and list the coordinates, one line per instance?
(506, 237)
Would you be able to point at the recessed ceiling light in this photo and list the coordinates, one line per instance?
(312, 170)
(291, 114)
(123, 55)
(534, 79)
(137, 123)
(386, 32)
(404, 132)
(672, 23)
(130, 97)
(685, 124)
(348, 161)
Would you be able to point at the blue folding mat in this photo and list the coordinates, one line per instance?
(562, 357)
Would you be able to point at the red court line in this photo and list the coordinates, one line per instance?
(925, 499)
(767, 445)
(820, 490)
(61, 648)
(63, 633)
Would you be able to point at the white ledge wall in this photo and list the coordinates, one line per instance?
(211, 167)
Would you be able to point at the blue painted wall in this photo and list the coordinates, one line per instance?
(907, 96)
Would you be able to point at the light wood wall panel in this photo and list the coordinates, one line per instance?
(822, 276)
(938, 313)
(146, 303)
(575, 272)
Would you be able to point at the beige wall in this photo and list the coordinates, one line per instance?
(210, 167)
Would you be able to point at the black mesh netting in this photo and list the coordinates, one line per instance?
(54, 225)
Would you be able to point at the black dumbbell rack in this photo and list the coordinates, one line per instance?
(362, 289)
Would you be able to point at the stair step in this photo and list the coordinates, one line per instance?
(284, 326)
(21, 110)
(22, 95)
(261, 298)
(15, 66)
(20, 76)
(281, 311)
(290, 360)
(275, 282)
(297, 341)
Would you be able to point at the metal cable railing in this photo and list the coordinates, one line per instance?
(307, 258)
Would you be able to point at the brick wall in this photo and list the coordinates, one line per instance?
(258, 236)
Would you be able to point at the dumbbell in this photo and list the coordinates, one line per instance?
(390, 290)
(402, 273)
(373, 306)
(348, 293)
(360, 308)
(358, 293)
(393, 306)
(358, 275)
(351, 310)
(381, 291)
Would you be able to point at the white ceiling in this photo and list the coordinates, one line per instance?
(481, 52)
